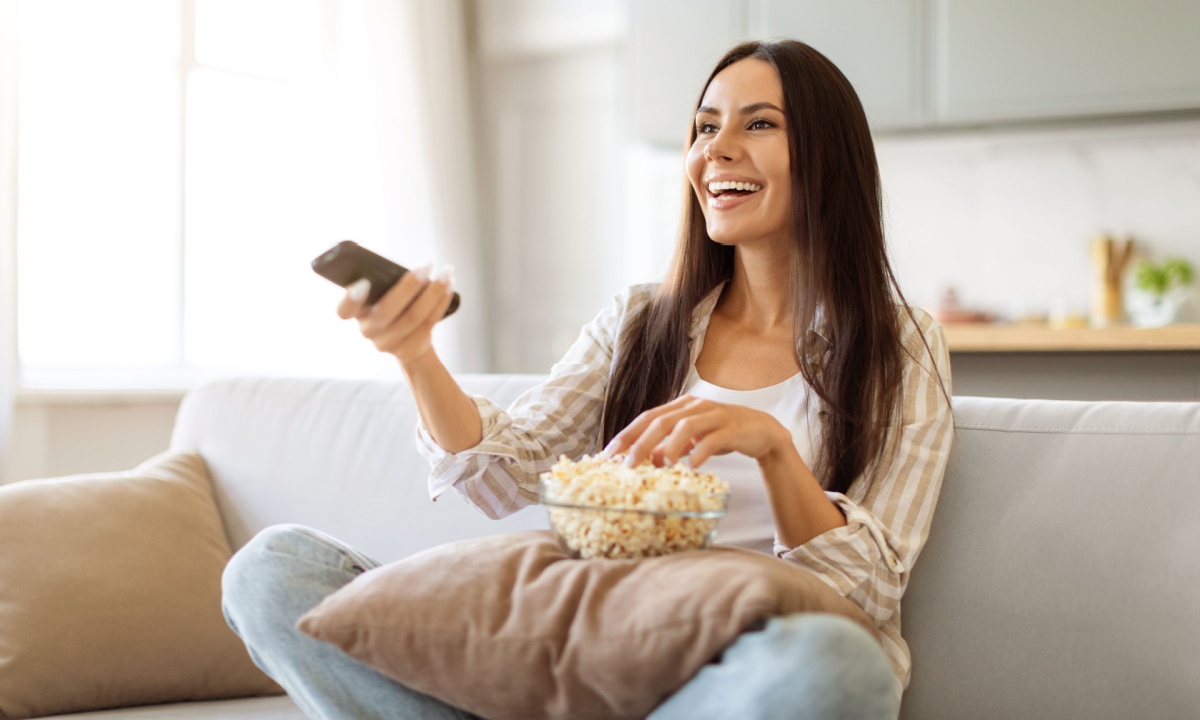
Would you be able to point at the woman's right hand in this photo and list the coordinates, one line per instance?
(401, 322)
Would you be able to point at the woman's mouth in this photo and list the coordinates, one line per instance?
(717, 189)
(729, 194)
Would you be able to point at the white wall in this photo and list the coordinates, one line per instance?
(60, 436)
(1007, 215)
(548, 80)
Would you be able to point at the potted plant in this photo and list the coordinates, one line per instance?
(1165, 286)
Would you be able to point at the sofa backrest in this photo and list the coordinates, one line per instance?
(1062, 574)
(1061, 578)
(337, 455)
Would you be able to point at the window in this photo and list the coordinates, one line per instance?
(179, 165)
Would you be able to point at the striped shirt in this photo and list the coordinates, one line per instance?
(888, 509)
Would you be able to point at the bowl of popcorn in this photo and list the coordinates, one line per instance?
(599, 507)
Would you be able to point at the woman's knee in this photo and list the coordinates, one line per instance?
(264, 574)
(822, 634)
(833, 654)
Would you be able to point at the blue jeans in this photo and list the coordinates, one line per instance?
(798, 667)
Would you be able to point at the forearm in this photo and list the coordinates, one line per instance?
(802, 510)
(449, 414)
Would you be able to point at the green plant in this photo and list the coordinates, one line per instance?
(1158, 279)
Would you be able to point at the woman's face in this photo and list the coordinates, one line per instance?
(741, 137)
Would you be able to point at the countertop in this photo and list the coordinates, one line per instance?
(1008, 338)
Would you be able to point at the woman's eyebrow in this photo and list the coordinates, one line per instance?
(748, 110)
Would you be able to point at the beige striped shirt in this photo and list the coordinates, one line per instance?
(888, 509)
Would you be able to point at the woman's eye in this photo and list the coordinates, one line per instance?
(704, 128)
(761, 124)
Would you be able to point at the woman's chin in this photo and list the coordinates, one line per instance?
(726, 236)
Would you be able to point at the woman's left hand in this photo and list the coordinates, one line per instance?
(699, 429)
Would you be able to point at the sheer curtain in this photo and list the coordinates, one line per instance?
(402, 78)
(8, 172)
(207, 168)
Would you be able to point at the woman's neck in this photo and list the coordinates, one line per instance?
(758, 295)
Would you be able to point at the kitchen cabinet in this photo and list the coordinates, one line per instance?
(928, 64)
(878, 44)
(675, 44)
(1033, 59)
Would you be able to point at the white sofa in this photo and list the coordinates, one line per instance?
(1061, 579)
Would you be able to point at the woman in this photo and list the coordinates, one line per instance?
(778, 353)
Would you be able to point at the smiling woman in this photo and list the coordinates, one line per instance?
(778, 353)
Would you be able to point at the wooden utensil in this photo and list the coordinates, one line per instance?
(1109, 259)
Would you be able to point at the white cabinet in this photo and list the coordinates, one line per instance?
(1036, 59)
(878, 44)
(933, 63)
(675, 45)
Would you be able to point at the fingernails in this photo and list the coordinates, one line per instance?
(423, 272)
(358, 289)
(444, 275)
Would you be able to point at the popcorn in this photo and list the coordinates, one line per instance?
(631, 512)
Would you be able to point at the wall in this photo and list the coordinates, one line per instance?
(549, 92)
(64, 435)
(1006, 215)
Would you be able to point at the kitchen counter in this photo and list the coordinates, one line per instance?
(1036, 361)
(1022, 338)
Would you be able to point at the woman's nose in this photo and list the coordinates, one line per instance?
(721, 147)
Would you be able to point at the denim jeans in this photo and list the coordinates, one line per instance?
(798, 667)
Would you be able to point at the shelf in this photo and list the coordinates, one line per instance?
(985, 337)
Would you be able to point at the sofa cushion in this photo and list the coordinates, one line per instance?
(110, 593)
(1062, 574)
(509, 627)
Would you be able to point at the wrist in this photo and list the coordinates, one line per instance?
(421, 365)
(780, 453)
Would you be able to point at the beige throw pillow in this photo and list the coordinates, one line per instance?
(110, 593)
(508, 627)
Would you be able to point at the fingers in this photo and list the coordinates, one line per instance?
(355, 299)
(686, 436)
(714, 443)
(406, 313)
(624, 439)
(668, 433)
(417, 320)
(396, 300)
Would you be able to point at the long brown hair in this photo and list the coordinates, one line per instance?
(838, 263)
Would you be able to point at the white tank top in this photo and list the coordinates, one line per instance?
(749, 522)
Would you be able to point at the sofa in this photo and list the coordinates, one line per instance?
(1061, 578)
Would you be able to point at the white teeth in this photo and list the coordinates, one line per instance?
(718, 187)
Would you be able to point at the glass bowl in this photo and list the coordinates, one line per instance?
(616, 529)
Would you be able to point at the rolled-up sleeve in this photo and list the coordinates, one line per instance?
(561, 416)
(889, 508)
